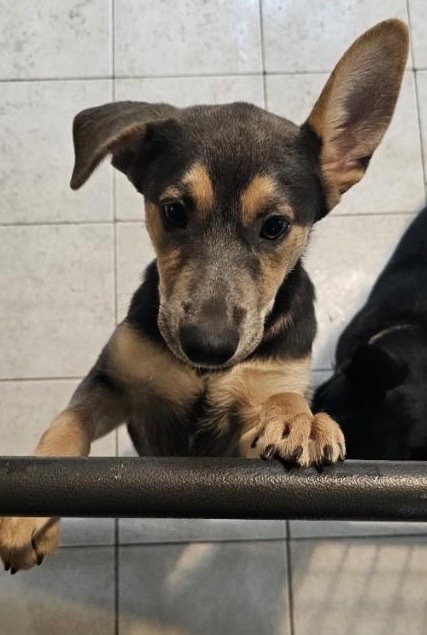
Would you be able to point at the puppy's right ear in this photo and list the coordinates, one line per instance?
(118, 128)
(374, 370)
(356, 105)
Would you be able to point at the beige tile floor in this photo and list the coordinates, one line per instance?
(69, 264)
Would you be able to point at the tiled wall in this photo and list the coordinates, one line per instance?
(69, 263)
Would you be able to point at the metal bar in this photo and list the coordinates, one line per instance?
(211, 488)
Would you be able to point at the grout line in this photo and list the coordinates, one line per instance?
(117, 221)
(178, 76)
(384, 536)
(261, 33)
(289, 580)
(417, 99)
(188, 541)
(116, 433)
(324, 538)
(420, 127)
(55, 223)
(141, 77)
(10, 380)
(366, 537)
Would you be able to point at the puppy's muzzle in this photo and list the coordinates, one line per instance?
(208, 344)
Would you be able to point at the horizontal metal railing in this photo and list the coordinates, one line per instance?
(211, 488)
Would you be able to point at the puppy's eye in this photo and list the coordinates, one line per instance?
(175, 213)
(274, 227)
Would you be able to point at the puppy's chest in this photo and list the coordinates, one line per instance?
(199, 421)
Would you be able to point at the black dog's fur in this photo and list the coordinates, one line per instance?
(378, 393)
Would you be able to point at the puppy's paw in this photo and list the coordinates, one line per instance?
(24, 542)
(303, 439)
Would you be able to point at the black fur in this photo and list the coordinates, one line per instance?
(378, 393)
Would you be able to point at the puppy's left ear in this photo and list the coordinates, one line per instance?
(118, 129)
(356, 105)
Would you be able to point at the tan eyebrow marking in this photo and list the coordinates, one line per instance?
(171, 192)
(200, 187)
(261, 190)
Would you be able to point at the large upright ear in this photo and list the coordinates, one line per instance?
(357, 103)
(117, 128)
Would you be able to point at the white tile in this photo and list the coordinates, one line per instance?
(72, 592)
(183, 91)
(311, 36)
(27, 409)
(125, 445)
(176, 530)
(190, 91)
(359, 587)
(176, 37)
(87, 531)
(56, 287)
(37, 153)
(422, 105)
(347, 528)
(237, 588)
(394, 179)
(50, 39)
(418, 20)
(345, 256)
(134, 254)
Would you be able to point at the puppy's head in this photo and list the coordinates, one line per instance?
(231, 191)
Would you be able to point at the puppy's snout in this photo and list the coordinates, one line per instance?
(211, 346)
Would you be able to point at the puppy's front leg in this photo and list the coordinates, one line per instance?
(287, 429)
(96, 408)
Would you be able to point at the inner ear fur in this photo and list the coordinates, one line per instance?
(357, 103)
(118, 128)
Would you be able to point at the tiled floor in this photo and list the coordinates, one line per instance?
(69, 264)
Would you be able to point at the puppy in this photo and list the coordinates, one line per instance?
(214, 354)
(378, 390)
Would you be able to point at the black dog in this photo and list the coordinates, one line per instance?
(378, 393)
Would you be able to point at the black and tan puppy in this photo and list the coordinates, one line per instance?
(378, 392)
(214, 355)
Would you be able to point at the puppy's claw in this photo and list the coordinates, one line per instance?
(13, 571)
(297, 454)
(7, 566)
(254, 442)
(342, 452)
(268, 453)
(319, 466)
(328, 454)
(40, 559)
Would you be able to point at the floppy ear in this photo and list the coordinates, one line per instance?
(375, 371)
(117, 128)
(357, 103)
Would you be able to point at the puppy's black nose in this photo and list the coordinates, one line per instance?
(209, 346)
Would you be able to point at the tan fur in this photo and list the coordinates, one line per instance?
(141, 365)
(287, 428)
(154, 225)
(170, 193)
(168, 256)
(246, 386)
(198, 181)
(69, 434)
(261, 191)
(382, 49)
(277, 264)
